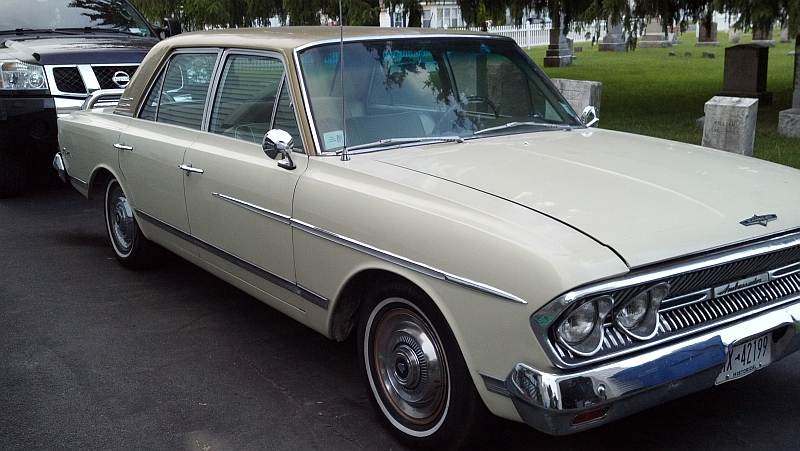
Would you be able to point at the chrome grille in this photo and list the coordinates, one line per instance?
(68, 79)
(692, 306)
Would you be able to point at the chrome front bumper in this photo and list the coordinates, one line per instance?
(60, 167)
(561, 404)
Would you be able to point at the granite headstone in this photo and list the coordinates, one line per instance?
(730, 124)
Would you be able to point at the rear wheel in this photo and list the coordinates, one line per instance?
(415, 372)
(131, 248)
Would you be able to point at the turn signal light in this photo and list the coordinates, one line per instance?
(589, 416)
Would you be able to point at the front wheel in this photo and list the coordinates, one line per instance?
(415, 372)
(131, 248)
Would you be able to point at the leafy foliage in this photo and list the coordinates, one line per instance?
(198, 14)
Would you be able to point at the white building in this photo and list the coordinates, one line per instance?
(446, 14)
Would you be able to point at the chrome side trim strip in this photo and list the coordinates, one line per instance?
(495, 385)
(332, 237)
(247, 266)
(404, 262)
(255, 209)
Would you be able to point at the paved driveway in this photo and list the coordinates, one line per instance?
(98, 357)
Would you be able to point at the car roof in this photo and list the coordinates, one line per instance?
(291, 37)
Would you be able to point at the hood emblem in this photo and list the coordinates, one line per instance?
(121, 79)
(759, 219)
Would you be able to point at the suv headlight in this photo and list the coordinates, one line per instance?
(18, 75)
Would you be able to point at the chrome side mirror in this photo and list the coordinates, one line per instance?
(590, 117)
(278, 145)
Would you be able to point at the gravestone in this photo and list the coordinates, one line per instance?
(734, 36)
(580, 93)
(707, 37)
(730, 124)
(614, 40)
(784, 36)
(558, 54)
(763, 37)
(789, 120)
(746, 73)
(654, 36)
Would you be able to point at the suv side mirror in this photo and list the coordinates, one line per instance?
(171, 27)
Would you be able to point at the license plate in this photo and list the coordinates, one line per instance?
(746, 357)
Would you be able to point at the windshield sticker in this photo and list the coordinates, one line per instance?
(333, 140)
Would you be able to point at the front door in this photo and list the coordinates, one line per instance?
(240, 205)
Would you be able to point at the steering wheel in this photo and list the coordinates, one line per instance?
(167, 97)
(471, 99)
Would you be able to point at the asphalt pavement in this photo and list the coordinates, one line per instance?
(97, 357)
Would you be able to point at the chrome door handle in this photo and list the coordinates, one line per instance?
(189, 169)
(122, 146)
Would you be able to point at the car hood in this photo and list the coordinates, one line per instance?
(648, 199)
(79, 49)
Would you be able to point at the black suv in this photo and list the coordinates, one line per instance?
(53, 54)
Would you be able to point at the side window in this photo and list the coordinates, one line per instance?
(179, 96)
(285, 118)
(245, 101)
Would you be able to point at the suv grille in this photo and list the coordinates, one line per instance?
(105, 75)
(68, 79)
(79, 80)
(693, 305)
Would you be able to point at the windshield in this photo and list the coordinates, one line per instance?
(72, 15)
(428, 88)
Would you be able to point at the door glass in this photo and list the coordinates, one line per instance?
(245, 100)
(179, 96)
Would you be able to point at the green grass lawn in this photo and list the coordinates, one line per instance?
(648, 92)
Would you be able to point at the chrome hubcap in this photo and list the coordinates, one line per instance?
(410, 368)
(122, 221)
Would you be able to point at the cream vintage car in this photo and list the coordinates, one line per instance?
(433, 193)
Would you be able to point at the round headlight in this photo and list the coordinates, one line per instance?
(632, 314)
(579, 324)
(638, 317)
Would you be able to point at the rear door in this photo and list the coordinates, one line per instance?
(153, 147)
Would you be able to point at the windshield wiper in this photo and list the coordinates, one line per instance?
(520, 124)
(401, 141)
(23, 31)
(100, 30)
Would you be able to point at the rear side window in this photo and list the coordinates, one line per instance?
(179, 95)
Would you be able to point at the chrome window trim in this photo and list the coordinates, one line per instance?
(216, 79)
(160, 73)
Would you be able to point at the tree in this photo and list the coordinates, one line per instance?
(632, 14)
